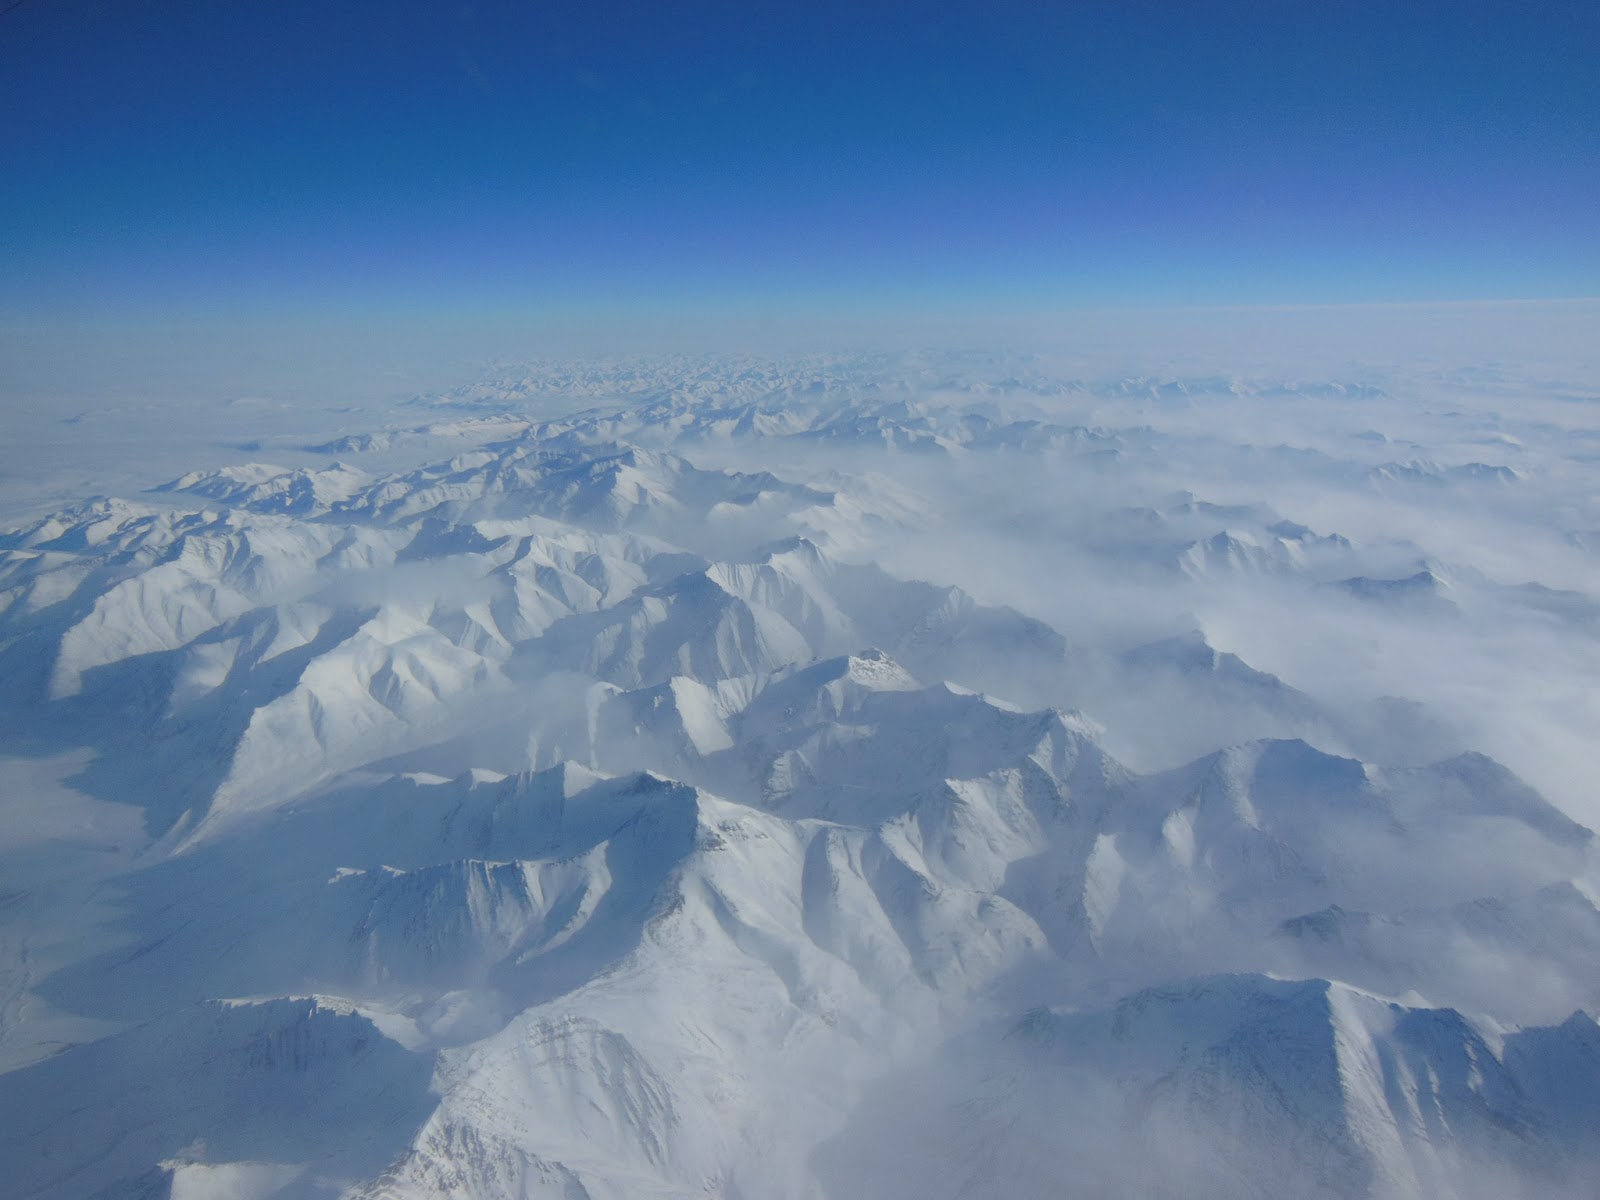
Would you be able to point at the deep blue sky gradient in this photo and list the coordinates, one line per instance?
(247, 155)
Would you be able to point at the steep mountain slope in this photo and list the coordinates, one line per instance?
(1234, 1086)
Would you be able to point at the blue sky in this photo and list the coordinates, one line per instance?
(243, 156)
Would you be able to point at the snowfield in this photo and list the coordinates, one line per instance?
(836, 777)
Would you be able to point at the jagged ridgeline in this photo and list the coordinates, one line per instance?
(565, 818)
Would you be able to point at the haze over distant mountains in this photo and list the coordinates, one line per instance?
(833, 775)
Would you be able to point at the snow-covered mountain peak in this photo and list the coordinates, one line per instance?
(262, 487)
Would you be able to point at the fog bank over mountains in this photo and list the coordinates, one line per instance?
(1154, 761)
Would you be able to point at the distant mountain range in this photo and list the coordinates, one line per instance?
(565, 819)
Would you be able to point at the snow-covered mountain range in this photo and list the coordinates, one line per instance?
(607, 807)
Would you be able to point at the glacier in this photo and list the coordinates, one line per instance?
(823, 777)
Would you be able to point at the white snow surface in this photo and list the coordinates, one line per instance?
(763, 784)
